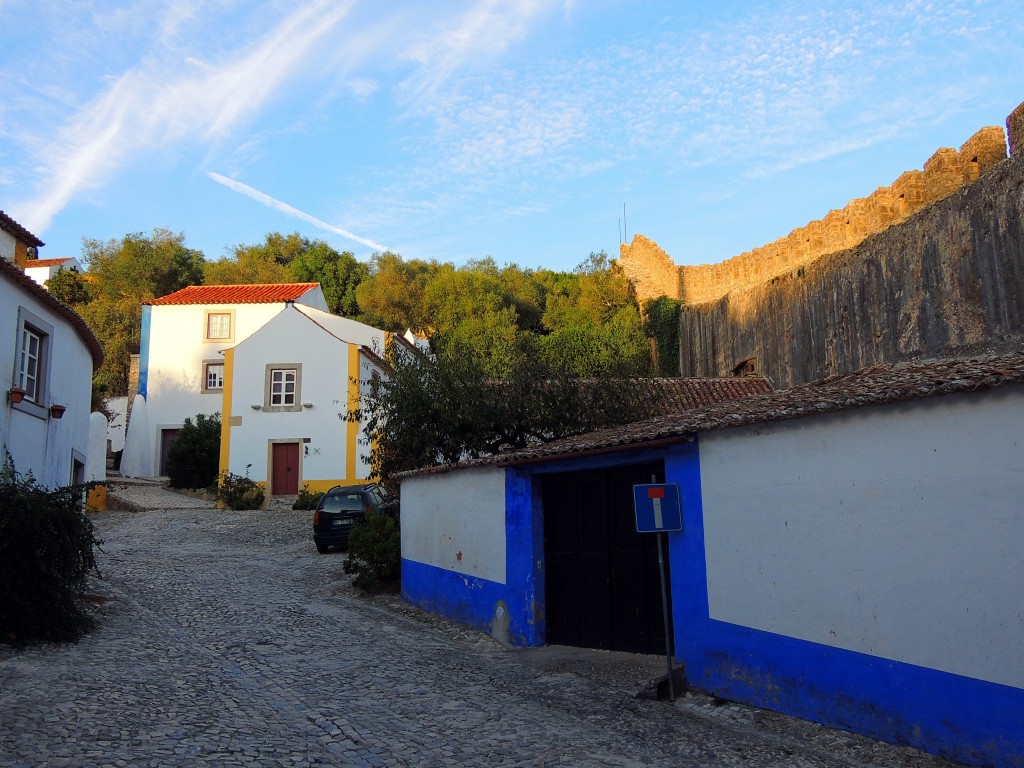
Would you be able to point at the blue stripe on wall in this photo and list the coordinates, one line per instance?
(467, 599)
(143, 388)
(968, 720)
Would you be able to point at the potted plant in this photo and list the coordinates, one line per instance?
(57, 411)
(16, 394)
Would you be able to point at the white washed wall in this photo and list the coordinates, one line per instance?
(895, 531)
(290, 337)
(456, 521)
(176, 353)
(45, 445)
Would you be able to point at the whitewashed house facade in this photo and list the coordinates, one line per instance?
(288, 389)
(47, 359)
(183, 338)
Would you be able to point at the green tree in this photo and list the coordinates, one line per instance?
(450, 406)
(69, 287)
(339, 274)
(391, 297)
(194, 458)
(661, 324)
(266, 262)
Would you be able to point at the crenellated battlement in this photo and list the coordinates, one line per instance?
(654, 274)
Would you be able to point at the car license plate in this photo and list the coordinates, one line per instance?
(341, 522)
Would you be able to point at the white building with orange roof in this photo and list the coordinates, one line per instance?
(41, 270)
(184, 336)
(288, 390)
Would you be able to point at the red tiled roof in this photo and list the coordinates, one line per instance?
(673, 395)
(45, 262)
(868, 386)
(33, 288)
(266, 293)
(23, 235)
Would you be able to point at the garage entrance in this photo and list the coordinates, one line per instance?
(602, 588)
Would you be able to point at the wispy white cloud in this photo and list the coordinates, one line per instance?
(146, 108)
(486, 30)
(289, 210)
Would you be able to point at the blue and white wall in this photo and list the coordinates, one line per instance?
(864, 569)
(469, 542)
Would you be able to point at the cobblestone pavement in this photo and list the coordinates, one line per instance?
(224, 638)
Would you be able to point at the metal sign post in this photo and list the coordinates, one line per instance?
(658, 510)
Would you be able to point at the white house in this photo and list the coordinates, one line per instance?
(47, 359)
(41, 270)
(850, 550)
(184, 335)
(288, 388)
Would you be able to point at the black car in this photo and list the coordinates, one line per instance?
(341, 508)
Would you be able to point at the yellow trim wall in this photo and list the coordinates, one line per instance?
(225, 415)
(352, 427)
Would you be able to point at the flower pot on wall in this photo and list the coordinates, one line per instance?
(16, 394)
(57, 411)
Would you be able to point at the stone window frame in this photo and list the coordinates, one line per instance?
(267, 376)
(204, 386)
(37, 404)
(207, 314)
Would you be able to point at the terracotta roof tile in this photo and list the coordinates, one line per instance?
(45, 262)
(266, 293)
(14, 228)
(29, 285)
(868, 386)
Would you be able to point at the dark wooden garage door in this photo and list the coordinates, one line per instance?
(602, 587)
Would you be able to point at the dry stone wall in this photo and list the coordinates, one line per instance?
(930, 265)
(949, 280)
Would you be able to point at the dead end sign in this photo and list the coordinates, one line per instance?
(657, 507)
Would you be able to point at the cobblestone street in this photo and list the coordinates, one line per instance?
(224, 638)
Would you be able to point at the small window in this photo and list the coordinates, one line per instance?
(218, 326)
(282, 386)
(30, 350)
(32, 363)
(213, 376)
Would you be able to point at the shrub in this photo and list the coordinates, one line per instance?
(46, 552)
(375, 550)
(237, 492)
(307, 499)
(194, 457)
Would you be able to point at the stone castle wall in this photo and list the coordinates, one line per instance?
(931, 266)
(946, 282)
(654, 274)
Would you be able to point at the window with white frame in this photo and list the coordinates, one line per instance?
(282, 387)
(32, 361)
(213, 376)
(30, 351)
(218, 326)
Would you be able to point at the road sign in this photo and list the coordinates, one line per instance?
(657, 508)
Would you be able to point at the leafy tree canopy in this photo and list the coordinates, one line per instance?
(451, 406)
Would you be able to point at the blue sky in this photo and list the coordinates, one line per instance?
(458, 130)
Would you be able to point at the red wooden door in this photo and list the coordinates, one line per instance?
(285, 460)
(167, 438)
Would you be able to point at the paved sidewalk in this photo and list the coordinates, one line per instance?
(226, 639)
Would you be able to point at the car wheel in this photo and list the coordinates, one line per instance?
(322, 548)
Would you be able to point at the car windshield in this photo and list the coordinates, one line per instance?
(349, 502)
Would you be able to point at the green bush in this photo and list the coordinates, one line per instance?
(237, 492)
(46, 552)
(194, 457)
(307, 499)
(375, 550)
